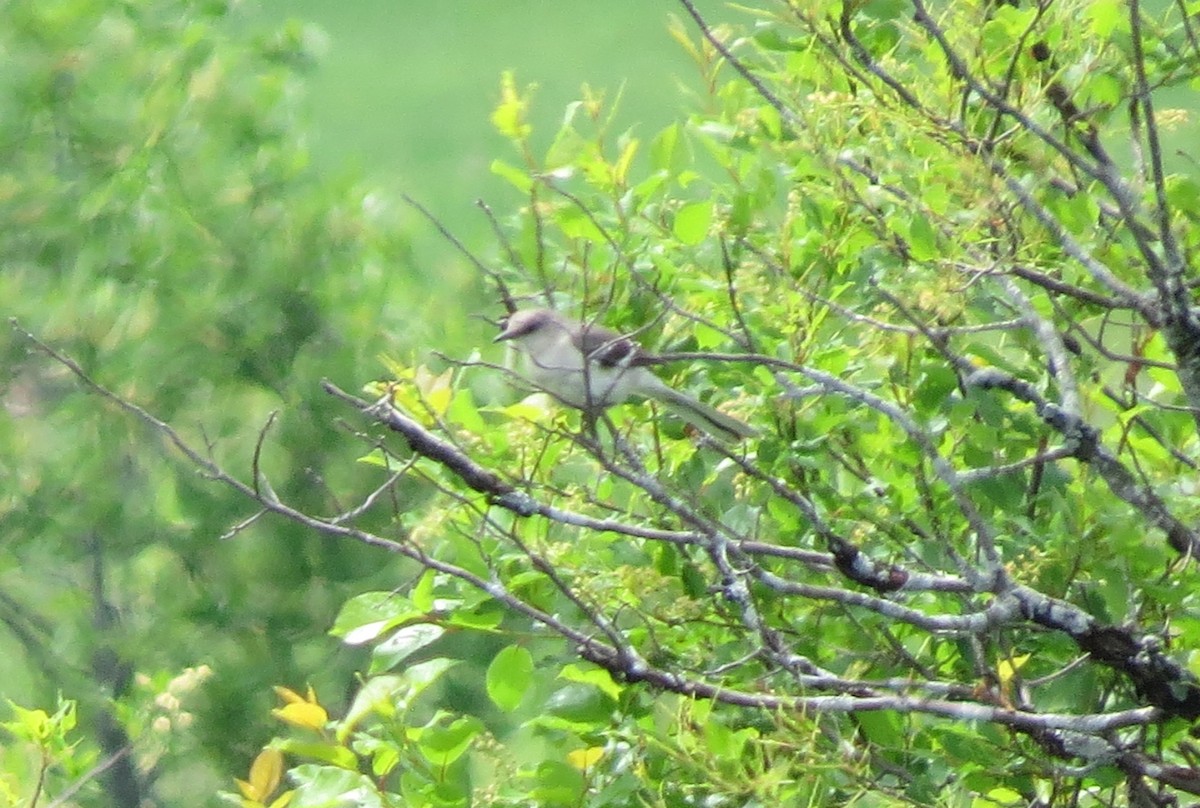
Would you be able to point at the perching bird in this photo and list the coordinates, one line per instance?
(554, 348)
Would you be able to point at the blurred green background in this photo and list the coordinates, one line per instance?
(404, 90)
(224, 292)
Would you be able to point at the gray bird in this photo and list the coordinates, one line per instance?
(591, 368)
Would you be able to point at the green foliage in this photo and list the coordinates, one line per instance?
(953, 568)
(166, 231)
(39, 754)
(960, 537)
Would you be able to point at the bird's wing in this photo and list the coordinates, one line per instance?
(608, 348)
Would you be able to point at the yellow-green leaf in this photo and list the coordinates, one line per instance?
(515, 176)
(692, 222)
(509, 115)
(621, 167)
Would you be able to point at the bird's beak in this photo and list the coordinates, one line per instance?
(503, 335)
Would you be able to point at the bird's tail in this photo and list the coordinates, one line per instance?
(699, 414)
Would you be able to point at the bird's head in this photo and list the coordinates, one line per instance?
(529, 324)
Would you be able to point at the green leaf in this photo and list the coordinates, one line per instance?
(883, 10)
(330, 787)
(692, 222)
(962, 745)
(881, 727)
(333, 754)
(443, 743)
(773, 39)
(921, 238)
(594, 676)
(580, 704)
(391, 694)
(1105, 16)
(381, 694)
(663, 149)
(422, 676)
(516, 177)
(365, 617)
(935, 386)
(576, 223)
(403, 643)
(557, 783)
(486, 615)
(509, 677)
(999, 798)
(421, 595)
(726, 743)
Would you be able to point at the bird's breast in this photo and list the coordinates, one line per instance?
(596, 388)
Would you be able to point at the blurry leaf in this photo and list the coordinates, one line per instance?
(1105, 16)
(31, 725)
(365, 617)
(727, 743)
(881, 727)
(695, 585)
(265, 773)
(381, 694)
(443, 743)
(384, 754)
(621, 166)
(576, 223)
(1006, 26)
(921, 239)
(584, 759)
(935, 387)
(331, 753)
(436, 390)
(509, 677)
(556, 783)
(391, 694)
(299, 711)
(962, 745)
(883, 10)
(247, 792)
(1006, 669)
(1183, 193)
(465, 412)
(692, 222)
(509, 115)
(333, 787)
(306, 716)
(663, 148)
(1000, 798)
(528, 409)
(484, 616)
(516, 177)
(421, 595)
(580, 704)
(402, 644)
(423, 675)
(772, 39)
(595, 676)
